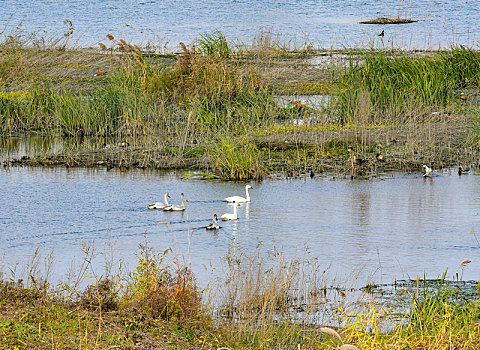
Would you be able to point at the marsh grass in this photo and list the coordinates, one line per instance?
(398, 88)
(214, 44)
(237, 159)
(178, 112)
(268, 45)
(141, 95)
(262, 301)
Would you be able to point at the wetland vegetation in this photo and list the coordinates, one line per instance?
(275, 304)
(214, 107)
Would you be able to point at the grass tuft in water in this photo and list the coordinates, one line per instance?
(237, 159)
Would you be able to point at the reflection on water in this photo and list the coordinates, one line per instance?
(16, 147)
(395, 227)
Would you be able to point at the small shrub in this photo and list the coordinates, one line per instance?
(101, 296)
(157, 291)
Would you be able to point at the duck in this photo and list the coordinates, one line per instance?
(160, 205)
(426, 170)
(213, 225)
(175, 207)
(356, 162)
(238, 199)
(462, 171)
(230, 216)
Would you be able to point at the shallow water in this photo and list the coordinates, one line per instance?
(321, 23)
(392, 227)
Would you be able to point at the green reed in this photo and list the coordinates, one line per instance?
(433, 304)
(237, 159)
(395, 87)
(143, 96)
(214, 44)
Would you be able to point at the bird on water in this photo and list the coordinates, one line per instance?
(239, 199)
(213, 225)
(426, 170)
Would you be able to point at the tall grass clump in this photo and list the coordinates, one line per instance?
(384, 87)
(156, 290)
(143, 95)
(220, 93)
(440, 307)
(214, 44)
(269, 303)
(237, 159)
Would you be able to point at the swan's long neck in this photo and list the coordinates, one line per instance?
(181, 200)
(247, 196)
(235, 209)
(215, 220)
(166, 199)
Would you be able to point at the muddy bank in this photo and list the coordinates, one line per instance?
(446, 143)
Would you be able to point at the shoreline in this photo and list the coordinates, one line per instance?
(317, 151)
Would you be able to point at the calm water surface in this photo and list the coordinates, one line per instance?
(322, 23)
(390, 227)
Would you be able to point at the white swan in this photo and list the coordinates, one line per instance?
(426, 171)
(238, 199)
(230, 216)
(174, 207)
(213, 225)
(160, 205)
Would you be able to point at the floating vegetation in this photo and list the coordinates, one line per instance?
(201, 176)
(388, 20)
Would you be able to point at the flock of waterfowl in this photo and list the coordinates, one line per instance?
(358, 162)
(236, 200)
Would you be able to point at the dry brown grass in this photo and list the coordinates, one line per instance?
(389, 20)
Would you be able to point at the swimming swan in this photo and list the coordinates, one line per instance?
(230, 216)
(174, 207)
(160, 205)
(213, 225)
(238, 199)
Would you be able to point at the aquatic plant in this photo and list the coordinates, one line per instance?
(397, 88)
(237, 159)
